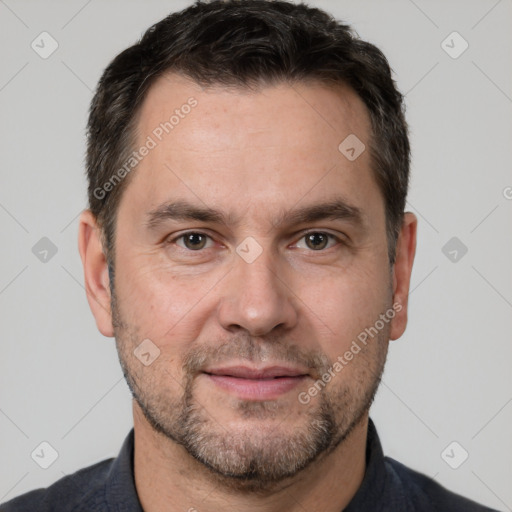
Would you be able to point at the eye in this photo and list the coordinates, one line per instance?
(193, 241)
(318, 240)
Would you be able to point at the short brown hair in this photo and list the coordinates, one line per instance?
(244, 43)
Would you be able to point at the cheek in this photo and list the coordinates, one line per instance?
(165, 307)
(343, 305)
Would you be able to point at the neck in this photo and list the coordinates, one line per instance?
(168, 478)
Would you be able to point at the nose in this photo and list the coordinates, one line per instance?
(257, 297)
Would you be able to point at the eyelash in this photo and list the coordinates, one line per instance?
(303, 235)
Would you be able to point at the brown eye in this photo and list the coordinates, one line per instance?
(317, 241)
(194, 241)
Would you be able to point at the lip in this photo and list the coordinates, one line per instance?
(257, 383)
(246, 372)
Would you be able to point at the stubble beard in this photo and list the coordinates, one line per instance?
(259, 456)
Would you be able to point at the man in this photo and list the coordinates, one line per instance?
(247, 246)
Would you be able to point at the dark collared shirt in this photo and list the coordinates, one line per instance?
(109, 486)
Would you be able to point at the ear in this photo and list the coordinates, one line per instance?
(405, 251)
(95, 272)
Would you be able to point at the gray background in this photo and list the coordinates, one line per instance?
(447, 379)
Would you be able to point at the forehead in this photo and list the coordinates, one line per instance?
(337, 108)
(229, 146)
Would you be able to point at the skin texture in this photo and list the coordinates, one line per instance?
(255, 156)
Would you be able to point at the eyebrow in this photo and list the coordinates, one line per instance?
(181, 210)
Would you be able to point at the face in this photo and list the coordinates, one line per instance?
(252, 254)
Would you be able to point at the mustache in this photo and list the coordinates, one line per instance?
(248, 349)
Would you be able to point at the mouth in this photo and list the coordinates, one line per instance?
(256, 383)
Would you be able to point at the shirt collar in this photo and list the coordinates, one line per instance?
(372, 489)
(121, 494)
